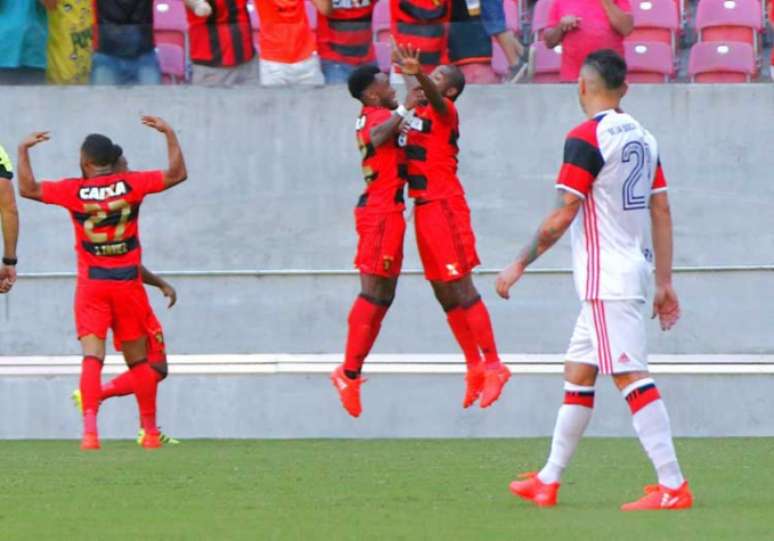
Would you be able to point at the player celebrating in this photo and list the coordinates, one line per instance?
(611, 181)
(104, 207)
(445, 238)
(379, 221)
(9, 222)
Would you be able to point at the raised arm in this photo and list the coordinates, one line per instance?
(29, 188)
(155, 280)
(620, 20)
(551, 230)
(176, 172)
(666, 304)
(408, 59)
(389, 128)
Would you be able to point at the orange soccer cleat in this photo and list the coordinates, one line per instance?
(474, 385)
(658, 497)
(90, 442)
(151, 440)
(532, 489)
(349, 391)
(494, 381)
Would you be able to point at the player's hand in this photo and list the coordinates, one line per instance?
(35, 138)
(157, 123)
(406, 58)
(170, 293)
(7, 278)
(507, 278)
(666, 306)
(569, 22)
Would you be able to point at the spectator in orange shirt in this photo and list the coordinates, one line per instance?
(287, 44)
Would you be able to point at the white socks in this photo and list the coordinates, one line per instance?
(571, 423)
(651, 422)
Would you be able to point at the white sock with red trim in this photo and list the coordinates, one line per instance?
(651, 422)
(571, 423)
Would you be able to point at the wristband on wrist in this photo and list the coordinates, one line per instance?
(401, 111)
(10, 261)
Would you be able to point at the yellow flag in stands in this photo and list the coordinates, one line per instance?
(69, 42)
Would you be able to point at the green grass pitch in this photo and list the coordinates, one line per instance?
(377, 489)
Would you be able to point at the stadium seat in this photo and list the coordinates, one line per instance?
(255, 24)
(383, 52)
(499, 61)
(311, 14)
(649, 62)
(715, 62)
(170, 24)
(172, 62)
(512, 16)
(540, 18)
(546, 63)
(729, 20)
(655, 20)
(381, 21)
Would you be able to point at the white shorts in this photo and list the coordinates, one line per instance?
(306, 72)
(611, 336)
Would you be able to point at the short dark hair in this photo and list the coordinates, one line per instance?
(100, 150)
(360, 79)
(456, 78)
(610, 66)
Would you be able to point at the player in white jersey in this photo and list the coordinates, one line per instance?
(611, 189)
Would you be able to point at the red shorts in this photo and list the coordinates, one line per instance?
(380, 242)
(157, 349)
(447, 245)
(122, 307)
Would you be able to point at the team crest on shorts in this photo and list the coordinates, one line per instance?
(387, 263)
(159, 338)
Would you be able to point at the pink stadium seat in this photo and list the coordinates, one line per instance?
(546, 63)
(311, 14)
(383, 52)
(512, 16)
(655, 20)
(172, 61)
(729, 20)
(499, 61)
(540, 18)
(649, 62)
(716, 62)
(170, 24)
(381, 21)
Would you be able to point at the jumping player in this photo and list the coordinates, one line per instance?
(610, 186)
(447, 245)
(379, 221)
(104, 207)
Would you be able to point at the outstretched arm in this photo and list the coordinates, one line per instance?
(177, 172)
(29, 188)
(408, 59)
(389, 128)
(666, 304)
(155, 280)
(550, 231)
(621, 21)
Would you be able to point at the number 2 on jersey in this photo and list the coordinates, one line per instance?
(98, 215)
(634, 151)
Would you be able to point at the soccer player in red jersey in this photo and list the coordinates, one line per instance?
(447, 245)
(104, 207)
(379, 221)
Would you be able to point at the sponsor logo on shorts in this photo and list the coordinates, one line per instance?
(387, 262)
(452, 269)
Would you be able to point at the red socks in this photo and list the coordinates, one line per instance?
(365, 321)
(481, 326)
(123, 384)
(145, 381)
(91, 389)
(458, 321)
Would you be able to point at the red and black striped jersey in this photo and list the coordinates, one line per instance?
(223, 39)
(346, 34)
(422, 24)
(383, 166)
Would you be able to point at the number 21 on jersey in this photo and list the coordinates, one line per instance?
(636, 153)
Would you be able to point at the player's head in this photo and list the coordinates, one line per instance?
(98, 154)
(121, 165)
(372, 87)
(449, 80)
(602, 81)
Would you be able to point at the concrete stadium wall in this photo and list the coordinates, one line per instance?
(274, 176)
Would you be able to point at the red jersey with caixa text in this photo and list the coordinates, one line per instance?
(383, 166)
(431, 152)
(105, 212)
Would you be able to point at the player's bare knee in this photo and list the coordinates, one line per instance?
(624, 379)
(135, 351)
(580, 374)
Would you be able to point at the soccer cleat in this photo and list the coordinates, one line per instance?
(659, 498)
(77, 400)
(494, 381)
(90, 442)
(165, 438)
(474, 384)
(532, 489)
(151, 441)
(349, 391)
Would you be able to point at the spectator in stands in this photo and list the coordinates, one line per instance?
(585, 26)
(470, 47)
(493, 17)
(221, 41)
(69, 41)
(345, 37)
(287, 43)
(422, 23)
(22, 42)
(123, 44)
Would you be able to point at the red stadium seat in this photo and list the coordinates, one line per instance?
(170, 24)
(655, 20)
(499, 61)
(649, 62)
(540, 18)
(716, 62)
(311, 14)
(381, 20)
(383, 52)
(512, 16)
(546, 63)
(172, 61)
(729, 20)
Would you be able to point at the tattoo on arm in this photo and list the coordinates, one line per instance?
(552, 229)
